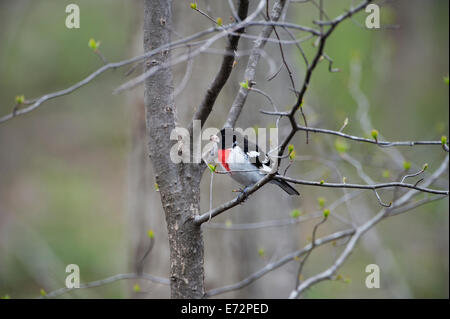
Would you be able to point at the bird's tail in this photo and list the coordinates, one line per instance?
(285, 186)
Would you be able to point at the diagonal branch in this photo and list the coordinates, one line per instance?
(253, 60)
(222, 76)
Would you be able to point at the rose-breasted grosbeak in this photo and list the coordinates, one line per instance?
(244, 161)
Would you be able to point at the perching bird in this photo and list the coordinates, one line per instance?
(244, 161)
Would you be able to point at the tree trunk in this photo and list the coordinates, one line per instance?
(179, 184)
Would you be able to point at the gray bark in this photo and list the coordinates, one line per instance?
(179, 184)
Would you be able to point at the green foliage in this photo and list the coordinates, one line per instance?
(374, 134)
(261, 252)
(136, 288)
(443, 140)
(94, 45)
(406, 165)
(321, 201)
(296, 213)
(244, 84)
(341, 146)
(193, 6)
(326, 213)
(212, 168)
(20, 99)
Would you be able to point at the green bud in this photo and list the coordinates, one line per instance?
(374, 134)
(386, 173)
(261, 252)
(157, 187)
(296, 213)
(136, 288)
(446, 80)
(425, 166)
(326, 212)
(292, 155)
(290, 148)
(444, 140)
(341, 146)
(151, 234)
(193, 6)
(219, 21)
(322, 182)
(43, 293)
(321, 201)
(93, 44)
(244, 84)
(20, 99)
(406, 165)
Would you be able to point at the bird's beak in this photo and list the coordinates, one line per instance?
(214, 138)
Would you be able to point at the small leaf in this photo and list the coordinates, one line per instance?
(20, 99)
(322, 182)
(43, 293)
(341, 146)
(406, 165)
(151, 234)
(326, 212)
(321, 201)
(93, 44)
(290, 148)
(374, 134)
(425, 167)
(157, 187)
(296, 213)
(443, 140)
(219, 21)
(193, 6)
(136, 288)
(244, 84)
(292, 155)
(212, 168)
(261, 252)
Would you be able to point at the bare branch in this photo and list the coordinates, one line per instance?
(108, 280)
(222, 76)
(253, 60)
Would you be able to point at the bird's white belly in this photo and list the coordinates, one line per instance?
(242, 171)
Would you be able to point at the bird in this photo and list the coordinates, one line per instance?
(242, 160)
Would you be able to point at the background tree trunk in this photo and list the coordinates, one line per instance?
(179, 184)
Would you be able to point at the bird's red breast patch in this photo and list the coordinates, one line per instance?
(223, 158)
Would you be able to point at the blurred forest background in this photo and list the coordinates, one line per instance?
(76, 186)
